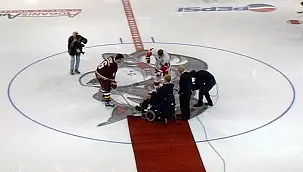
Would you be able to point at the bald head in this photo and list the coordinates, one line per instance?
(181, 69)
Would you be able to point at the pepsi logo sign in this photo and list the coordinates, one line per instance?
(250, 7)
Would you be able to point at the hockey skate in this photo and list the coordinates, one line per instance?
(109, 104)
(103, 99)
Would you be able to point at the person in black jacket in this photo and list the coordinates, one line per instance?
(204, 82)
(185, 87)
(159, 95)
(75, 50)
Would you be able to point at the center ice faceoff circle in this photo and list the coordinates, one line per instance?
(57, 101)
(135, 78)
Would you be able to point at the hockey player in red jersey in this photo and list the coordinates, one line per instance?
(106, 74)
(162, 64)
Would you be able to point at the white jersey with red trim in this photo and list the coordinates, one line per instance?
(163, 62)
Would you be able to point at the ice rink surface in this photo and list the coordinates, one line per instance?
(48, 120)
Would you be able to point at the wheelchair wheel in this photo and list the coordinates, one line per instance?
(150, 115)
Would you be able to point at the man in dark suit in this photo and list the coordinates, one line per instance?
(185, 87)
(204, 82)
(159, 95)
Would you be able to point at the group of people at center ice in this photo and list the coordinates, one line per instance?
(189, 80)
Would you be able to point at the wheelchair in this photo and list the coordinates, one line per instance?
(163, 110)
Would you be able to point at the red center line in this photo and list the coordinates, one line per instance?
(132, 25)
(156, 152)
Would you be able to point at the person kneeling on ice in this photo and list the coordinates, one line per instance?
(163, 95)
(106, 74)
(204, 82)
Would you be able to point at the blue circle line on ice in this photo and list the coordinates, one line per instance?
(167, 43)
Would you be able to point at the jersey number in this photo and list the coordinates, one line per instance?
(105, 63)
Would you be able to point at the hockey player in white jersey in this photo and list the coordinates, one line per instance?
(162, 64)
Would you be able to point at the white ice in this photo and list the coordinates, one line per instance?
(251, 93)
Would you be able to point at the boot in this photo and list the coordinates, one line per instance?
(209, 101)
(77, 71)
(139, 108)
(209, 104)
(71, 72)
(199, 104)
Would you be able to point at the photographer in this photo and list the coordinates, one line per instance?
(75, 50)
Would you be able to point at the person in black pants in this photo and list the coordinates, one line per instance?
(204, 82)
(167, 89)
(185, 87)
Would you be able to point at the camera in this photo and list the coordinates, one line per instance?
(81, 41)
